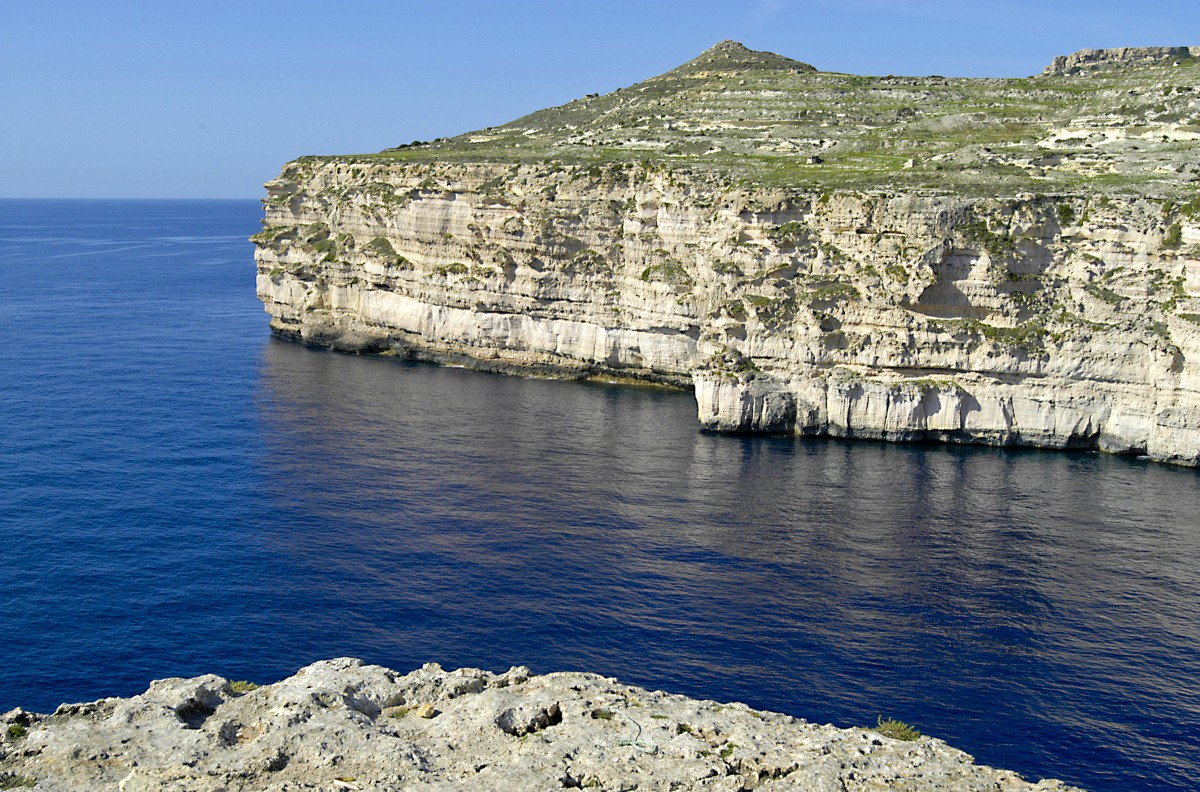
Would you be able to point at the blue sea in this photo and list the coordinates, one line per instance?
(180, 493)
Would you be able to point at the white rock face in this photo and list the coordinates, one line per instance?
(1060, 322)
(1066, 64)
(342, 725)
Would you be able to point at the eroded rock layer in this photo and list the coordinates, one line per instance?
(342, 725)
(1069, 320)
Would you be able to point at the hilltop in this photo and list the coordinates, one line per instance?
(1104, 121)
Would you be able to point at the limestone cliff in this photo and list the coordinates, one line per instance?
(342, 725)
(810, 256)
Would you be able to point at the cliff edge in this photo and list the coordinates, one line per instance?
(994, 261)
(342, 725)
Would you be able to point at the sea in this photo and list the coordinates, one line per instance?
(181, 493)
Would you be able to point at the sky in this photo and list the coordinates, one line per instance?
(174, 99)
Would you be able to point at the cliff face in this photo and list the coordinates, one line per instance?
(902, 314)
(342, 725)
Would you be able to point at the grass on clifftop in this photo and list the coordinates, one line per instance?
(897, 730)
(766, 120)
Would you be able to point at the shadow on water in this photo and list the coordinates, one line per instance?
(1023, 606)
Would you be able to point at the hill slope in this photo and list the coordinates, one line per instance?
(1099, 125)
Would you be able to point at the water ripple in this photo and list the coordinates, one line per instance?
(179, 495)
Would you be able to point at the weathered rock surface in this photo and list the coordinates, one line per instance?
(1090, 58)
(342, 725)
(861, 305)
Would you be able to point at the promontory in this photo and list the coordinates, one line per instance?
(1010, 262)
(342, 725)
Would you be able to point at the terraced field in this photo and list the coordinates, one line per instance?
(763, 119)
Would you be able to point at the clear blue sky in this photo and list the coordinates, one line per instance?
(209, 99)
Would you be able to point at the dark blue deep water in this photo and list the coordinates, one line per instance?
(182, 494)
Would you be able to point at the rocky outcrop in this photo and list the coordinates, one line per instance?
(1091, 58)
(1065, 320)
(342, 725)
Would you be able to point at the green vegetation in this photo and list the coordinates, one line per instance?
(978, 235)
(732, 364)
(833, 292)
(270, 233)
(1177, 290)
(400, 712)
(1027, 335)
(727, 750)
(16, 731)
(14, 781)
(1066, 214)
(381, 247)
(897, 730)
(773, 312)
(788, 234)
(327, 247)
(667, 270)
(926, 384)
(762, 119)
(241, 687)
(454, 268)
(684, 728)
(1100, 293)
(588, 260)
(1174, 236)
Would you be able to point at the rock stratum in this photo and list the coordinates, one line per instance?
(343, 725)
(1010, 262)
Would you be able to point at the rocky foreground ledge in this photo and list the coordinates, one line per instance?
(343, 725)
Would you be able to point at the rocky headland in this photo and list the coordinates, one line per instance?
(343, 725)
(995, 261)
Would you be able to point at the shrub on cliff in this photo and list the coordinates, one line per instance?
(897, 730)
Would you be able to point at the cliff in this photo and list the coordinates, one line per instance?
(997, 261)
(342, 725)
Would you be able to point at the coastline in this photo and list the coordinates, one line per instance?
(340, 724)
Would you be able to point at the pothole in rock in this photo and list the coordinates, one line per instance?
(194, 713)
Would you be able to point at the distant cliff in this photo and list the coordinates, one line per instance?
(342, 725)
(1007, 262)
(1121, 56)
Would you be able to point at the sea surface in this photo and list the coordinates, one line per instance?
(182, 494)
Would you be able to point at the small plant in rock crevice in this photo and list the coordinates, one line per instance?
(897, 730)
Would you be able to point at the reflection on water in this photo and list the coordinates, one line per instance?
(1023, 606)
(179, 495)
